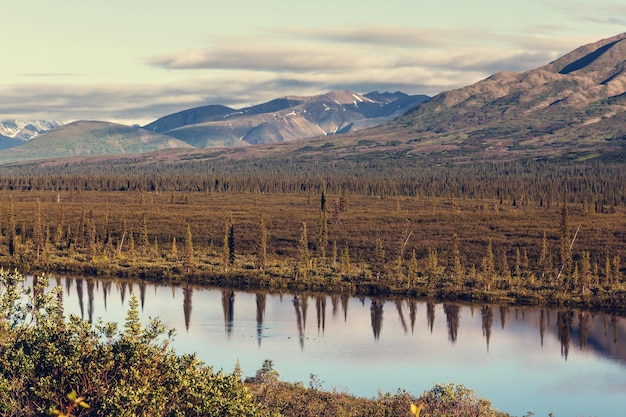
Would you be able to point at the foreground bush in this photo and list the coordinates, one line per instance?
(277, 398)
(129, 372)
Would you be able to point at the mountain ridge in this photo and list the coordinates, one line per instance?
(284, 119)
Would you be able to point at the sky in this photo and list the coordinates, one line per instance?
(134, 61)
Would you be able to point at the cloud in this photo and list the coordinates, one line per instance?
(238, 71)
(358, 50)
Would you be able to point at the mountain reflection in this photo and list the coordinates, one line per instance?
(572, 330)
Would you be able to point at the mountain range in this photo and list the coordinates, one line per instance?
(284, 119)
(572, 108)
(279, 120)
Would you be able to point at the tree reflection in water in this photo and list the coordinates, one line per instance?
(487, 320)
(564, 323)
(187, 304)
(452, 319)
(320, 308)
(585, 330)
(261, 298)
(430, 314)
(228, 305)
(376, 312)
(398, 304)
(79, 291)
(412, 313)
(299, 320)
(90, 297)
(142, 293)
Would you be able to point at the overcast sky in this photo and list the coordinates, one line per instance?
(133, 61)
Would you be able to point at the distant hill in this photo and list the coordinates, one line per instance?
(90, 138)
(284, 119)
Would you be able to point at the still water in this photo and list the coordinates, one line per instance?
(567, 362)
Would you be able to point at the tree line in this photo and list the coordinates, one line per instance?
(598, 185)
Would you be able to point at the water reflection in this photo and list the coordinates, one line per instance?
(487, 320)
(261, 298)
(452, 320)
(377, 317)
(300, 313)
(187, 294)
(228, 305)
(430, 314)
(320, 308)
(597, 332)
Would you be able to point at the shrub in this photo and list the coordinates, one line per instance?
(128, 372)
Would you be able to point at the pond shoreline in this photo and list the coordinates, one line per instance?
(610, 300)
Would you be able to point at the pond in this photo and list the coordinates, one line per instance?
(568, 362)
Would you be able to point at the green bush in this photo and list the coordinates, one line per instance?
(128, 372)
(451, 400)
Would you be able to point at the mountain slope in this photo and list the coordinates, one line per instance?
(7, 142)
(90, 138)
(285, 119)
(575, 104)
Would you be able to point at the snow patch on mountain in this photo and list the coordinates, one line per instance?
(26, 129)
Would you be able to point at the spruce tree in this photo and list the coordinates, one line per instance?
(585, 272)
(378, 261)
(457, 266)
(174, 249)
(38, 232)
(489, 269)
(322, 234)
(144, 242)
(565, 244)
(304, 257)
(262, 245)
(228, 246)
(189, 257)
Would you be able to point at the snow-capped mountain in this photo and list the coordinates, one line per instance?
(26, 129)
(284, 119)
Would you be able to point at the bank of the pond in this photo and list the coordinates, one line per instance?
(356, 281)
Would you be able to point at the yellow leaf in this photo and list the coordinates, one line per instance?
(72, 395)
(416, 409)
